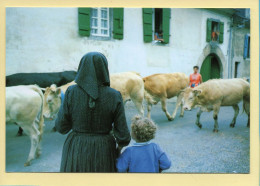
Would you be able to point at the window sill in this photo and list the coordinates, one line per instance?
(100, 38)
(159, 43)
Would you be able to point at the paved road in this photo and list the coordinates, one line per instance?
(191, 150)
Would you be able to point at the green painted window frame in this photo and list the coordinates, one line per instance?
(148, 32)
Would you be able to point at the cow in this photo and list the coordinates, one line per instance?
(160, 87)
(131, 87)
(129, 84)
(24, 107)
(41, 79)
(215, 93)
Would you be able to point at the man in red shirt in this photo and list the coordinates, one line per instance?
(195, 78)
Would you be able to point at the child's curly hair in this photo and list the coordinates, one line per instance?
(142, 129)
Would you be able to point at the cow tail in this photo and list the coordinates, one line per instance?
(149, 98)
(41, 119)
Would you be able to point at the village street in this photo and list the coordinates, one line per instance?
(191, 150)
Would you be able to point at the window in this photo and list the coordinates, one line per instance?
(96, 22)
(100, 22)
(247, 46)
(236, 69)
(156, 24)
(215, 31)
(158, 33)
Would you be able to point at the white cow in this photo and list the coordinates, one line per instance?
(24, 106)
(213, 94)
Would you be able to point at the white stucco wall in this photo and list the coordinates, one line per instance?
(47, 40)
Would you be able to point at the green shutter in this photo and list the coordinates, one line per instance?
(205, 70)
(118, 23)
(166, 24)
(147, 24)
(84, 21)
(221, 32)
(208, 36)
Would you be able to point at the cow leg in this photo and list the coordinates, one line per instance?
(236, 109)
(246, 105)
(215, 117)
(198, 118)
(33, 133)
(40, 125)
(20, 132)
(178, 103)
(138, 101)
(149, 108)
(139, 106)
(164, 108)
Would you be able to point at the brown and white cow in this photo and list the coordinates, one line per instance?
(24, 106)
(213, 94)
(129, 84)
(160, 87)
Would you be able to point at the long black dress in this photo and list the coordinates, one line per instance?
(90, 147)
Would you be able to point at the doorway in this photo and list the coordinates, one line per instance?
(210, 68)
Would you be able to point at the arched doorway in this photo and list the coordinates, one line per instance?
(210, 68)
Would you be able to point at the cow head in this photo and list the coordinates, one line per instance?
(190, 98)
(52, 102)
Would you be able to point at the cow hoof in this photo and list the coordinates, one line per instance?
(54, 129)
(232, 125)
(181, 116)
(199, 125)
(170, 119)
(28, 163)
(19, 134)
(215, 130)
(38, 154)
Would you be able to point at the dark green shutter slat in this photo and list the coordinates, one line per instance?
(84, 21)
(118, 23)
(208, 36)
(147, 24)
(221, 32)
(205, 70)
(166, 24)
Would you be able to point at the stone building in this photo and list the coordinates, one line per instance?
(55, 39)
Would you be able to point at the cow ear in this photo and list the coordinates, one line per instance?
(58, 91)
(197, 92)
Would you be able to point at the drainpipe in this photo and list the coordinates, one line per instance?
(229, 49)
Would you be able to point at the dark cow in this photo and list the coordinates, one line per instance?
(41, 79)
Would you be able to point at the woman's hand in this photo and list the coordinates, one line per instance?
(118, 150)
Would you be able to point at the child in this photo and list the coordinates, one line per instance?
(143, 156)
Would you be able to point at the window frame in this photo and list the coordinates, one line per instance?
(218, 21)
(99, 18)
(156, 42)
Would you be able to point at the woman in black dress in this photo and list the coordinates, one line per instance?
(93, 111)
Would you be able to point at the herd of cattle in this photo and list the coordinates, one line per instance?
(33, 97)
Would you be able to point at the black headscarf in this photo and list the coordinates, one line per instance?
(92, 73)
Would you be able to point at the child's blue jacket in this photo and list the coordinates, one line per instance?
(143, 157)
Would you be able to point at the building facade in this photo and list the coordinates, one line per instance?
(55, 39)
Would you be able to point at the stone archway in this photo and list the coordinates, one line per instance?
(216, 51)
